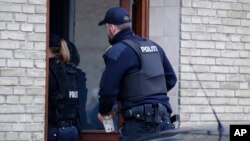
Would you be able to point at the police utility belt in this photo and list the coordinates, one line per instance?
(146, 113)
(68, 123)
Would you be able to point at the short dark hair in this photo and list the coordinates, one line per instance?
(125, 25)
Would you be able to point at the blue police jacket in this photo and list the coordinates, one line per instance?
(120, 60)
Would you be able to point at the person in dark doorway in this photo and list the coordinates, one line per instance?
(67, 94)
(139, 75)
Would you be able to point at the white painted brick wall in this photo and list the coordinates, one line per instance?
(215, 39)
(22, 69)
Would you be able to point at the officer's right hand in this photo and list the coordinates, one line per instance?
(101, 117)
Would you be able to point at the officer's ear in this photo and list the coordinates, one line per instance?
(114, 29)
(111, 28)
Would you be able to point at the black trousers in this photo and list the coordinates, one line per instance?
(136, 129)
(63, 134)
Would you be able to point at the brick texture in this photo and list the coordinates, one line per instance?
(214, 56)
(22, 69)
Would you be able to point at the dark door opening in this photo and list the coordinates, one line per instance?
(65, 22)
(61, 15)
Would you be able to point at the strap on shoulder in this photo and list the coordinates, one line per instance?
(132, 44)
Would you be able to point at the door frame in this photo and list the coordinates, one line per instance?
(141, 18)
(140, 13)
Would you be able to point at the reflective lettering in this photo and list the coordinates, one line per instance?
(148, 49)
(73, 94)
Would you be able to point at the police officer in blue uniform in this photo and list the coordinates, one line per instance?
(67, 93)
(139, 75)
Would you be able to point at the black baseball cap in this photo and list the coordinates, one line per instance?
(116, 16)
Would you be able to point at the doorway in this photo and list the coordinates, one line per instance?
(91, 41)
(77, 21)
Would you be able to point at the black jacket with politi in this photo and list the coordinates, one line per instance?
(121, 60)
